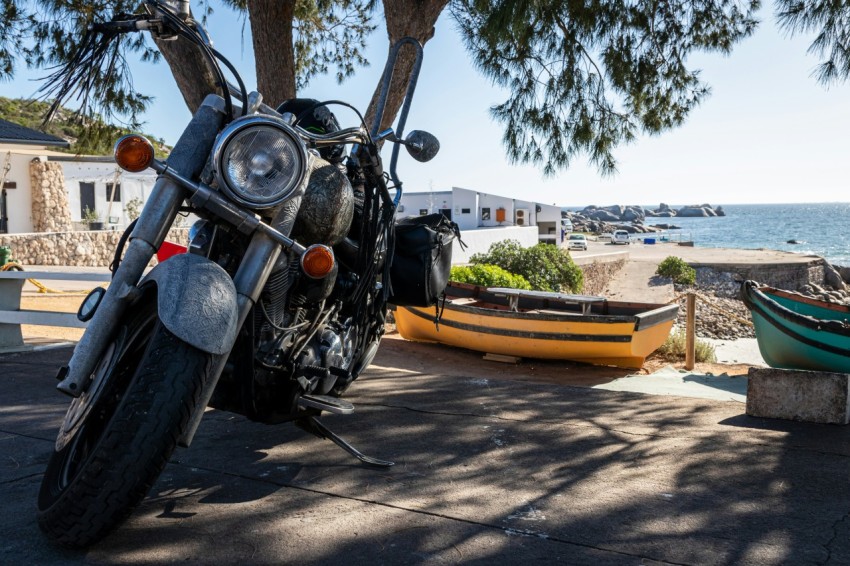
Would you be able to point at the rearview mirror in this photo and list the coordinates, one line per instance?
(421, 145)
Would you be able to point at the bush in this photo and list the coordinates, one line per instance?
(488, 276)
(545, 266)
(674, 348)
(676, 269)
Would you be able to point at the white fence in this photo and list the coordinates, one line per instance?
(11, 315)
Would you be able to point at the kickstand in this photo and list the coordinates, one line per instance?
(313, 425)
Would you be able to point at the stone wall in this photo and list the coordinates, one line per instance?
(85, 249)
(791, 276)
(50, 211)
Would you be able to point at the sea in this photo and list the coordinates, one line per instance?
(822, 229)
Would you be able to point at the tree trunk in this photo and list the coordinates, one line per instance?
(271, 28)
(405, 18)
(190, 69)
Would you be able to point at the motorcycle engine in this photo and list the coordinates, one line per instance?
(328, 350)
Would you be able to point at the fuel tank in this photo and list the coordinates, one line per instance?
(327, 207)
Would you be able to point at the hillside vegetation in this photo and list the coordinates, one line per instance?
(96, 138)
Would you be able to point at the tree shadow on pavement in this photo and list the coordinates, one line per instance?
(494, 469)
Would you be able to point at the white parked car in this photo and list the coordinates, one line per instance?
(577, 242)
(620, 237)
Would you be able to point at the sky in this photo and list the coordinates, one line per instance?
(768, 133)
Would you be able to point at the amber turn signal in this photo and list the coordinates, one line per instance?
(134, 153)
(317, 261)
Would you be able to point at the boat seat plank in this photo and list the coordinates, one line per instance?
(514, 295)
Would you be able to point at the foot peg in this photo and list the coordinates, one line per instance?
(326, 403)
(314, 426)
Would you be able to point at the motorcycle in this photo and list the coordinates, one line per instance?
(278, 306)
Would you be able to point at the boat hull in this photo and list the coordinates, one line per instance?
(623, 340)
(798, 332)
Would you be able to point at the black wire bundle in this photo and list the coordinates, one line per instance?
(98, 55)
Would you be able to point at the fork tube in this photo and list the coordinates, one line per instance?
(189, 156)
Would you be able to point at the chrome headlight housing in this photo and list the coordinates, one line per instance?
(259, 161)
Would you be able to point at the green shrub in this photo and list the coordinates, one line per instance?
(488, 276)
(545, 266)
(676, 269)
(675, 347)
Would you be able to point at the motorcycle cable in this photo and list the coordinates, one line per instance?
(306, 112)
(212, 55)
(119, 249)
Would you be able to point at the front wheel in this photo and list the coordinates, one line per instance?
(118, 435)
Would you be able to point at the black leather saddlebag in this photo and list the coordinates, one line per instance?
(422, 260)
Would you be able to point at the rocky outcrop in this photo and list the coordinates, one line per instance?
(599, 220)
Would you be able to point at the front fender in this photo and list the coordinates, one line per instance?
(196, 301)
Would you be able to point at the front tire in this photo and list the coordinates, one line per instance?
(118, 436)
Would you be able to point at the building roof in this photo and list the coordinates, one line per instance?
(17, 134)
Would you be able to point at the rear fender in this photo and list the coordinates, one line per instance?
(196, 301)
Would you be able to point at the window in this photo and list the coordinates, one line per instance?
(116, 194)
(464, 211)
(485, 214)
(423, 211)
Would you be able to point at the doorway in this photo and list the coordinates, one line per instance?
(86, 198)
(4, 214)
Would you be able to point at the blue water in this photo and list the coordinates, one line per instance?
(823, 229)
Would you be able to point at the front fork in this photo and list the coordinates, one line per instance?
(187, 159)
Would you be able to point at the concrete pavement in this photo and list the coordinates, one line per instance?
(495, 463)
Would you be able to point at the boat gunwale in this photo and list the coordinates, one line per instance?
(646, 315)
(758, 302)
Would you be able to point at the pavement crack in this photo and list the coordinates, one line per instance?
(508, 531)
(30, 436)
(587, 424)
(831, 541)
(22, 478)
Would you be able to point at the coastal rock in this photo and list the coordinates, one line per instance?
(616, 209)
(695, 212)
(603, 215)
(633, 213)
(832, 277)
(667, 227)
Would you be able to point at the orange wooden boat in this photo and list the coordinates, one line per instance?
(536, 324)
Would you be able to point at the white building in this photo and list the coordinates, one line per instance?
(98, 184)
(18, 147)
(91, 182)
(484, 218)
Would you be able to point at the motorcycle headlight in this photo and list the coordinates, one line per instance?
(259, 161)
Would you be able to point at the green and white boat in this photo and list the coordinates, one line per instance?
(798, 332)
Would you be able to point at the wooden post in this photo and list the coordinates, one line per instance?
(690, 332)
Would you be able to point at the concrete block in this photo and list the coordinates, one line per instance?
(810, 396)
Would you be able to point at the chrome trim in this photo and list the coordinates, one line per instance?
(238, 126)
